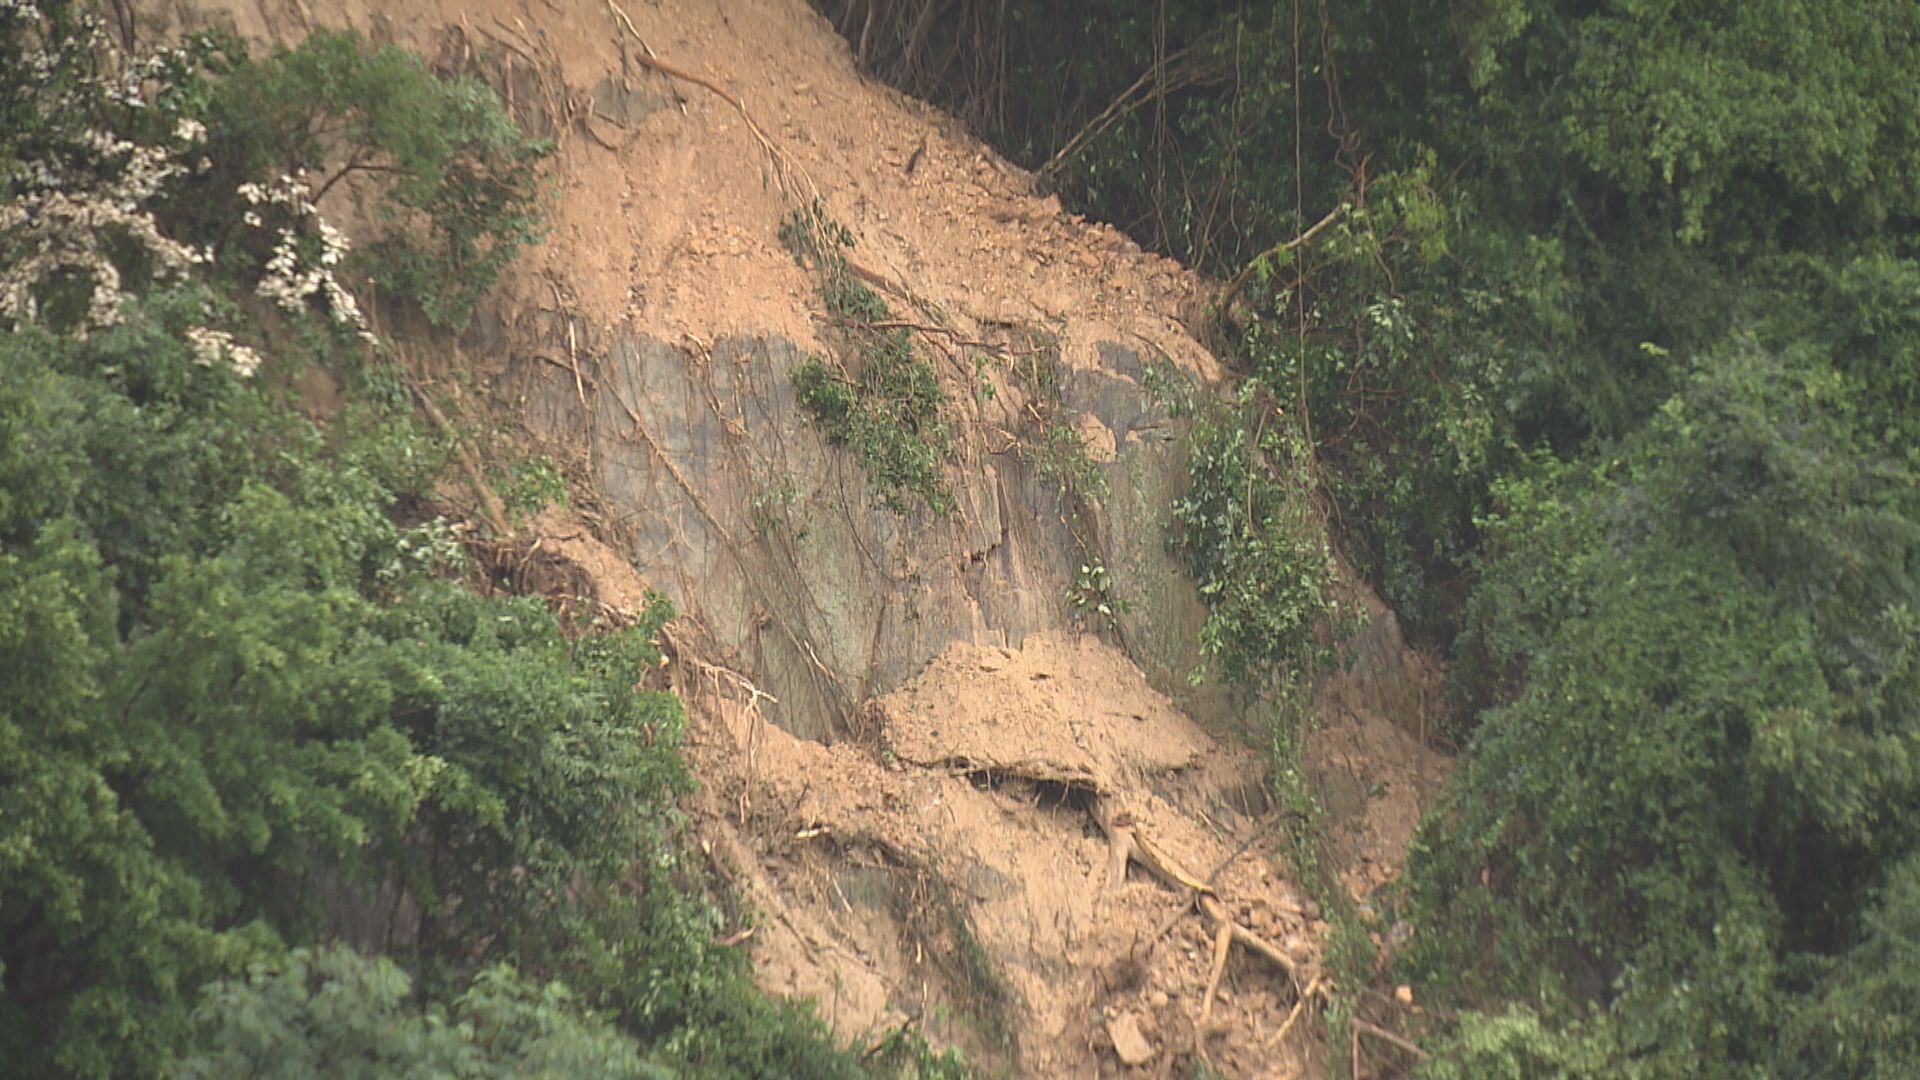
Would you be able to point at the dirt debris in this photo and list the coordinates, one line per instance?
(1027, 852)
(982, 787)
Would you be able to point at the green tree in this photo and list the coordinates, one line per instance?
(335, 1014)
(1706, 767)
(237, 654)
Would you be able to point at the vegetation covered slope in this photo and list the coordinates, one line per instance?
(248, 698)
(1602, 323)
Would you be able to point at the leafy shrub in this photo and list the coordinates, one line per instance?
(888, 412)
(333, 1013)
(887, 406)
(1863, 1016)
(1515, 1046)
(1252, 542)
(458, 180)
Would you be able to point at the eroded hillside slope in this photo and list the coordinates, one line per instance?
(926, 750)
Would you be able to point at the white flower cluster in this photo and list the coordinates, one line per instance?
(64, 231)
(76, 206)
(211, 347)
(289, 281)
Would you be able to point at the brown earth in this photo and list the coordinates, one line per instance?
(948, 865)
(917, 765)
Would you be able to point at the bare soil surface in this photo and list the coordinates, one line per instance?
(957, 852)
(953, 866)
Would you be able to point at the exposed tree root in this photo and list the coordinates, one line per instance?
(1128, 842)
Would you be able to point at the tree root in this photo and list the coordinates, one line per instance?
(1128, 842)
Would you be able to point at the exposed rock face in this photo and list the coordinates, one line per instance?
(728, 498)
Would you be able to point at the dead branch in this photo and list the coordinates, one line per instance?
(1128, 842)
(1246, 273)
(573, 349)
(491, 507)
(1120, 843)
(1212, 879)
(1222, 948)
(1362, 1027)
(1156, 85)
(1294, 1014)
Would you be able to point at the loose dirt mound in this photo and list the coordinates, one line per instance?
(961, 866)
(1060, 710)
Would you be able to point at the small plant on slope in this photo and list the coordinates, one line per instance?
(885, 402)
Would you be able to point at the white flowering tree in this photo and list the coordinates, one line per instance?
(97, 143)
(118, 171)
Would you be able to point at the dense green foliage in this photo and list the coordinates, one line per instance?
(248, 702)
(1252, 541)
(335, 1014)
(1699, 765)
(1601, 324)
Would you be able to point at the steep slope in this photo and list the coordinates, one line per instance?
(946, 859)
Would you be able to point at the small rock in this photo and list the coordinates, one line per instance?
(1403, 994)
(1158, 999)
(1133, 1047)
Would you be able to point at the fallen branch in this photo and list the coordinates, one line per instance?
(1246, 273)
(1363, 1028)
(1222, 948)
(1128, 842)
(1212, 879)
(1141, 848)
(1293, 1015)
(1119, 849)
(573, 345)
(491, 507)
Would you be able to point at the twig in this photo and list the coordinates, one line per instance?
(1222, 948)
(573, 351)
(586, 125)
(510, 46)
(1212, 880)
(1362, 1027)
(1246, 273)
(1122, 106)
(1138, 845)
(490, 505)
(1293, 1016)
(1353, 1047)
